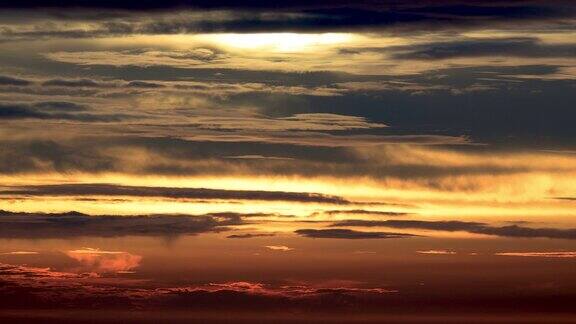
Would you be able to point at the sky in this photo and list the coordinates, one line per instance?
(288, 161)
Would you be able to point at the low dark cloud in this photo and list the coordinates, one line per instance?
(74, 224)
(144, 84)
(471, 227)
(308, 16)
(11, 81)
(249, 235)
(72, 83)
(513, 47)
(55, 111)
(414, 224)
(360, 212)
(168, 192)
(341, 233)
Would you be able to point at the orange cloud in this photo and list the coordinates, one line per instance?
(98, 261)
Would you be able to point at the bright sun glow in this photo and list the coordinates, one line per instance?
(279, 42)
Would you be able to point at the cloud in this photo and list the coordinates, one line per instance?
(72, 83)
(55, 111)
(99, 261)
(19, 253)
(281, 248)
(340, 233)
(144, 84)
(360, 212)
(471, 227)
(526, 47)
(258, 157)
(169, 192)
(436, 252)
(11, 81)
(250, 235)
(307, 16)
(57, 290)
(74, 224)
(297, 122)
(561, 254)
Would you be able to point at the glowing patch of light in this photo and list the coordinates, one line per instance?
(279, 42)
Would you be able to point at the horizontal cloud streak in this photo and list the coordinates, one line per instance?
(73, 224)
(471, 227)
(340, 233)
(169, 192)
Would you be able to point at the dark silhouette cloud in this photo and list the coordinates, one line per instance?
(415, 224)
(341, 233)
(11, 81)
(318, 15)
(515, 47)
(168, 192)
(72, 83)
(55, 111)
(74, 224)
(144, 84)
(250, 235)
(471, 227)
(361, 212)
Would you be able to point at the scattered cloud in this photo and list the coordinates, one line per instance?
(281, 248)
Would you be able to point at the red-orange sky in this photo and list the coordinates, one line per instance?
(312, 161)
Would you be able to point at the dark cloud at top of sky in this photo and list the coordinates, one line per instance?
(297, 4)
(313, 15)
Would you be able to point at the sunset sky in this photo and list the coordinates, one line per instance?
(302, 160)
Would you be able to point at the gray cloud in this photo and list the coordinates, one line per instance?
(74, 224)
(55, 111)
(11, 81)
(514, 47)
(471, 227)
(360, 212)
(72, 83)
(341, 233)
(249, 235)
(167, 192)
